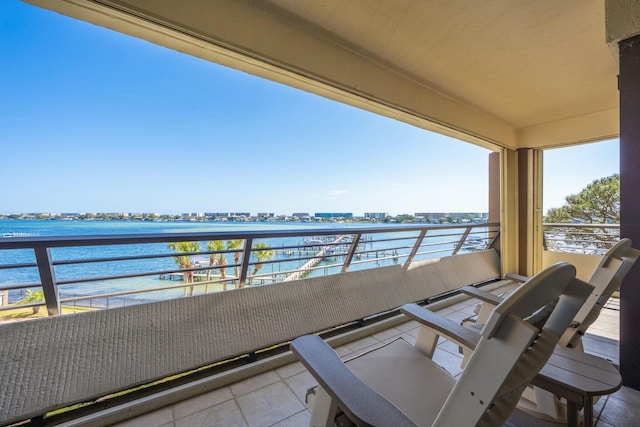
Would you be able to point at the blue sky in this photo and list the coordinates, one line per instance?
(96, 121)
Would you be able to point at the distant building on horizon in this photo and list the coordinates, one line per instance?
(375, 215)
(215, 215)
(333, 215)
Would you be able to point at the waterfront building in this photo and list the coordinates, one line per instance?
(215, 215)
(333, 215)
(375, 215)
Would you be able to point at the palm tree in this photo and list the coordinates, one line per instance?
(184, 261)
(31, 297)
(217, 258)
(236, 244)
(262, 252)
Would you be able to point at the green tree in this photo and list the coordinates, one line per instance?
(597, 203)
(217, 259)
(235, 244)
(32, 297)
(184, 261)
(405, 218)
(262, 252)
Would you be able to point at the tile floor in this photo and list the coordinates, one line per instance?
(276, 398)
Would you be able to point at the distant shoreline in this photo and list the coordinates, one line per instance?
(380, 217)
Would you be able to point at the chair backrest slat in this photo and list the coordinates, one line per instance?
(512, 350)
(607, 279)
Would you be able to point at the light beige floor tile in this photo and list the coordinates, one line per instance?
(459, 316)
(269, 405)
(359, 345)
(620, 413)
(153, 419)
(298, 420)
(449, 346)
(343, 351)
(407, 326)
(386, 334)
(203, 401)
(628, 395)
(300, 383)
(445, 311)
(290, 370)
(408, 338)
(451, 363)
(254, 383)
(226, 414)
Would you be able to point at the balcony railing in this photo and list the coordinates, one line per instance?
(110, 270)
(594, 239)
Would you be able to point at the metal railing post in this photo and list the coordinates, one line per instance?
(246, 257)
(352, 251)
(462, 240)
(48, 280)
(415, 249)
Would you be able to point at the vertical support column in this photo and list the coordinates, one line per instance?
(509, 210)
(48, 280)
(629, 86)
(537, 232)
(529, 210)
(523, 210)
(494, 196)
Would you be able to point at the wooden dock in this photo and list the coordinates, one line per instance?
(317, 259)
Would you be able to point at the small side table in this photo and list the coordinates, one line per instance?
(578, 377)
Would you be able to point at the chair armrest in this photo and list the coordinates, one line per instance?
(447, 328)
(362, 405)
(483, 296)
(516, 277)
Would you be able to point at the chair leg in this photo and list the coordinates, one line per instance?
(426, 341)
(547, 403)
(324, 409)
(484, 312)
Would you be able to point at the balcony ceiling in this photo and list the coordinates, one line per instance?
(514, 73)
(526, 63)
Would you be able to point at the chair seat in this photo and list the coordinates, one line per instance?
(397, 371)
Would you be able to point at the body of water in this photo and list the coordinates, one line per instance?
(9, 277)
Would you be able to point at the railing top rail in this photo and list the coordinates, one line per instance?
(124, 239)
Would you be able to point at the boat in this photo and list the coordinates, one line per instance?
(474, 244)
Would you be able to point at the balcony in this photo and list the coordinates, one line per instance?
(277, 397)
(371, 60)
(252, 386)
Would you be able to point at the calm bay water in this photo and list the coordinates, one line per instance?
(71, 272)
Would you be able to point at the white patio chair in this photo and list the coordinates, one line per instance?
(399, 385)
(606, 279)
